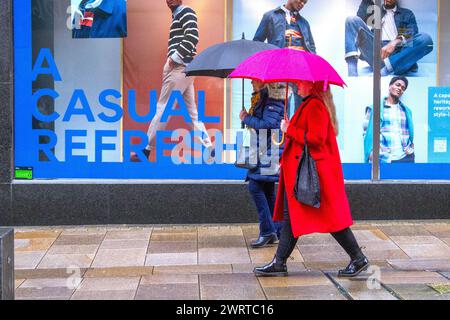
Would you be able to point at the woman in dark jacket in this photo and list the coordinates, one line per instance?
(264, 119)
(316, 121)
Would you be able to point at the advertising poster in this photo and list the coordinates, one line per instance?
(439, 120)
(93, 100)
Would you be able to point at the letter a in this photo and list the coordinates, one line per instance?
(38, 68)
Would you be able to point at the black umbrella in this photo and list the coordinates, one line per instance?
(221, 59)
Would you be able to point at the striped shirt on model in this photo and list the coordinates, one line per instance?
(184, 35)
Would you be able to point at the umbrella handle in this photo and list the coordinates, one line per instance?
(274, 141)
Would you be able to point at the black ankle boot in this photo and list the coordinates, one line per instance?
(276, 268)
(354, 268)
(264, 241)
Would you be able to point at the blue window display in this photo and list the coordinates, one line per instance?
(69, 97)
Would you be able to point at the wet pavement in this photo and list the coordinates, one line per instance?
(410, 260)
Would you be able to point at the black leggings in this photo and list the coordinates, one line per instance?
(345, 238)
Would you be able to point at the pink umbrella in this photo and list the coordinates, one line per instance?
(287, 65)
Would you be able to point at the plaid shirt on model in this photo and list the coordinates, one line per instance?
(395, 142)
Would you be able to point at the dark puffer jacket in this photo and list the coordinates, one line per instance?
(267, 114)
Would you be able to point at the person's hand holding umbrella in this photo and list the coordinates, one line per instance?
(243, 114)
(284, 125)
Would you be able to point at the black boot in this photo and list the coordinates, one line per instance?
(264, 241)
(276, 268)
(354, 268)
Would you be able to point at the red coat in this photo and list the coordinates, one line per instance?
(334, 213)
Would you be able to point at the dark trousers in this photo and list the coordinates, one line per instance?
(345, 238)
(264, 196)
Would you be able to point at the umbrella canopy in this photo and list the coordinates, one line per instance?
(287, 65)
(221, 59)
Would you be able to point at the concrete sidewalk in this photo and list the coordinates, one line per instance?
(410, 260)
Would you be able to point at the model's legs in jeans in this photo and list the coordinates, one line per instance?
(353, 26)
(415, 49)
(258, 191)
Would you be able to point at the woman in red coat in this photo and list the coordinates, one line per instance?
(317, 118)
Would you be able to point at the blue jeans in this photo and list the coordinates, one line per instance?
(263, 194)
(408, 159)
(359, 38)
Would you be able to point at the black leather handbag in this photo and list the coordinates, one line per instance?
(307, 184)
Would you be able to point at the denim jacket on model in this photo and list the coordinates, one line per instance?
(405, 20)
(273, 28)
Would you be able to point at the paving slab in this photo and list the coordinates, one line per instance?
(223, 255)
(439, 230)
(86, 231)
(35, 244)
(167, 259)
(51, 283)
(304, 293)
(194, 269)
(382, 253)
(220, 231)
(299, 279)
(213, 241)
(109, 284)
(118, 272)
(74, 249)
(411, 277)
(418, 292)
(119, 258)
(418, 247)
(172, 246)
(158, 279)
(58, 261)
(131, 234)
(27, 260)
(176, 236)
(104, 295)
(317, 239)
(124, 244)
(183, 291)
(420, 264)
(364, 289)
(43, 294)
(323, 253)
(230, 287)
(37, 234)
(79, 239)
(405, 230)
(18, 282)
(48, 273)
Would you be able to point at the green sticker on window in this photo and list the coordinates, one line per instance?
(23, 173)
